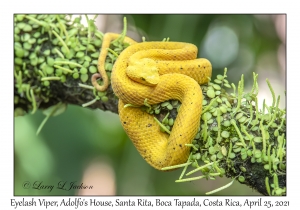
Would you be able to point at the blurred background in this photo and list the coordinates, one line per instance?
(90, 146)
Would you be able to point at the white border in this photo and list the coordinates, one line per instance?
(154, 6)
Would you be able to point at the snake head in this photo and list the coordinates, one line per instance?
(143, 71)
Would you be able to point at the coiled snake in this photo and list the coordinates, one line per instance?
(157, 71)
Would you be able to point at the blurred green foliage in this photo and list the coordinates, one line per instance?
(69, 142)
(233, 41)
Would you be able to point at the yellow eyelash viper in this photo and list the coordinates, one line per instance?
(157, 71)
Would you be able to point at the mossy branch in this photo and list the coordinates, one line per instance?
(55, 58)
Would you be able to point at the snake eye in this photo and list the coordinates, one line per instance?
(142, 78)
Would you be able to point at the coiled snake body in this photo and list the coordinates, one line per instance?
(158, 71)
